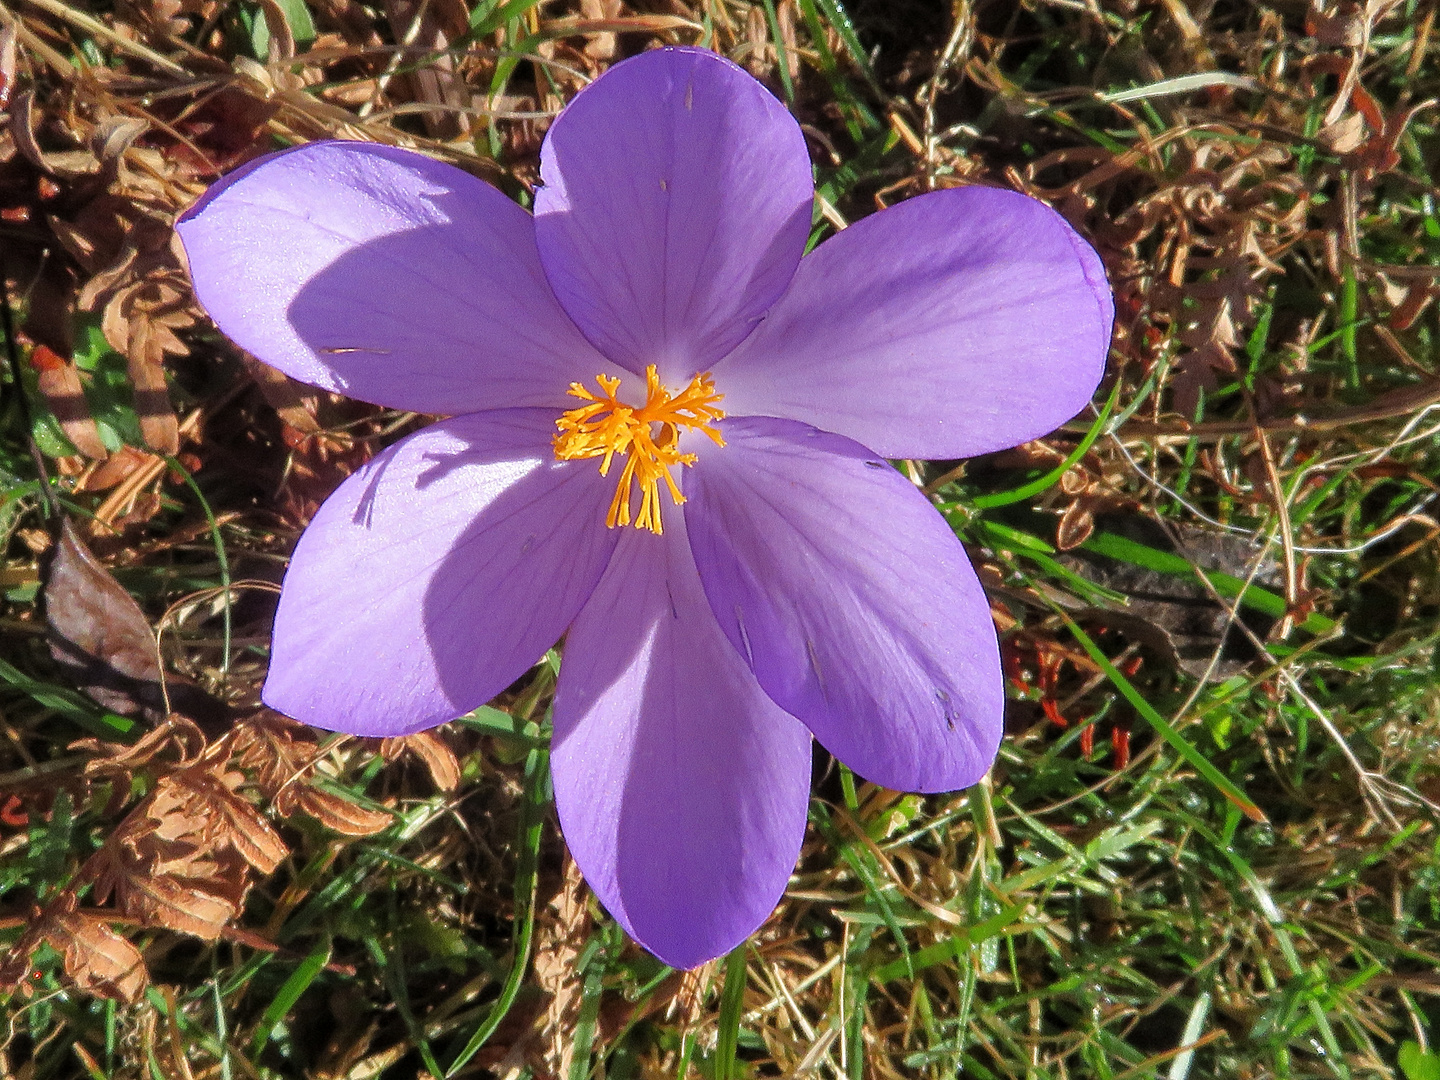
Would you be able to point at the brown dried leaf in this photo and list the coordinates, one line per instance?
(1346, 134)
(22, 130)
(1077, 522)
(119, 762)
(335, 813)
(98, 632)
(128, 868)
(1345, 28)
(1416, 297)
(203, 802)
(119, 467)
(1177, 618)
(430, 748)
(101, 637)
(136, 281)
(275, 747)
(97, 959)
(59, 384)
(152, 397)
(294, 402)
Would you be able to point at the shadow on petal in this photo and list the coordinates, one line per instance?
(436, 576)
(682, 789)
(410, 321)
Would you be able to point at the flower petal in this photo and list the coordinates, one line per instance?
(676, 205)
(384, 275)
(851, 600)
(436, 575)
(681, 787)
(954, 324)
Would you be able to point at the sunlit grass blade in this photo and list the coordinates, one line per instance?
(1035, 487)
(732, 1003)
(1163, 727)
(289, 993)
(537, 797)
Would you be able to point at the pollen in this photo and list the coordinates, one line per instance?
(648, 438)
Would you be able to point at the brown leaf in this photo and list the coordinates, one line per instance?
(152, 397)
(335, 813)
(430, 748)
(1076, 524)
(202, 795)
(275, 747)
(1177, 618)
(99, 633)
(119, 467)
(283, 755)
(118, 763)
(59, 384)
(129, 869)
(1345, 134)
(1344, 29)
(97, 959)
(101, 637)
(295, 402)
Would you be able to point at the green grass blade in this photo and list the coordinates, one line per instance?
(732, 1000)
(1163, 727)
(532, 822)
(69, 704)
(1035, 487)
(289, 993)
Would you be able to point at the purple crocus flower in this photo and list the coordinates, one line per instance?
(667, 442)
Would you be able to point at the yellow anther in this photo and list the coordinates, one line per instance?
(647, 437)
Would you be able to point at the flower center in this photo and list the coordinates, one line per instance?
(647, 437)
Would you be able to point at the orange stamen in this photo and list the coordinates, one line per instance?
(647, 437)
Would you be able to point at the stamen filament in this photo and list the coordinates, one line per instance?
(605, 427)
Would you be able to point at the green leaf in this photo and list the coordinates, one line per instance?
(1418, 1064)
(732, 1000)
(490, 15)
(289, 993)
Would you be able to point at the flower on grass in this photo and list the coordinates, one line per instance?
(667, 442)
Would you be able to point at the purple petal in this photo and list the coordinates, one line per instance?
(954, 324)
(676, 205)
(386, 276)
(681, 787)
(436, 575)
(851, 600)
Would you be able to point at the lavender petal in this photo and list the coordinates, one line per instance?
(851, 600)
(386, 276)
(956, 323)
(436, 575)
(682, 789)
(676, 205)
